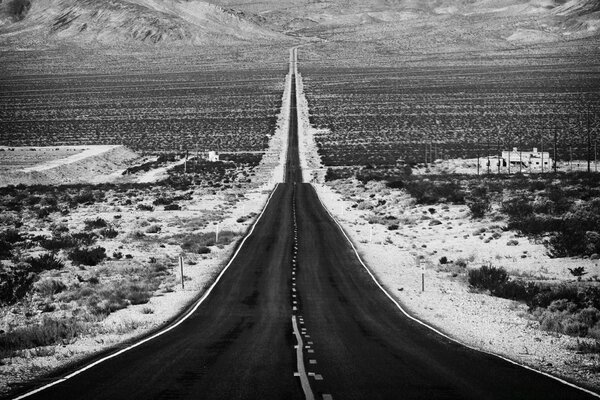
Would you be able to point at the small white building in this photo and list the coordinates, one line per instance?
(212, 156)
(532, 160)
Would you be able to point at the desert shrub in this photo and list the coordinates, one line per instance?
(534, 224)
(393, 227)
(91, 224)
(138, 293)
(5, 250)
(203, 250)
(479, 206)
(87, 256)
(518, 207)
(569, 321)
(478, 202)
(145, 207)
(565, 293)
(536, 185)
(105, 299)
(172, 207)
(109, 233)
(11, 236)
(443, 260)
(45, 262)
(162, 201)
(49, 287)
(587, 347)
(195, 242)
(560, 201)
(84, 197)
(15, 283)
(431, 192)
(153, 229)
(48, 332)
(43, 212)
(8, 238)
(566, 243)
(56, 243)
(84, 238)
(517, 290)
(397, 184)
(488, 277)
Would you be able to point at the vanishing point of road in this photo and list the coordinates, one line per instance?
(295, 315)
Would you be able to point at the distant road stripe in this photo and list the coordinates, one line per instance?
(308, 394)
(438, 331)
(163, 331)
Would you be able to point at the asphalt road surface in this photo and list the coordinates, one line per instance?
(239, 343)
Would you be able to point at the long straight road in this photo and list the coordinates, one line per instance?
(297, 265)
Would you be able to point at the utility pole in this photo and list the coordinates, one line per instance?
(589, 140)
(542, 148)
(478, 140)
(488, 153)
(570, 157)
(555, 160)
(509, 149)
(499, 154)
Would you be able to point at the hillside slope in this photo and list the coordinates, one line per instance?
(124, 21)
(529, 20)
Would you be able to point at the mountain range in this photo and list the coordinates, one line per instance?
(194, 22)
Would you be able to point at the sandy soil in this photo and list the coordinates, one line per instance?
(16, 158)
(71, 164)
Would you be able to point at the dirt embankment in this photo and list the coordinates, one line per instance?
(85, 166)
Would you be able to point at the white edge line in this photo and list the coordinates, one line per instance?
(556, 378)
(161, 332)
(308, 394)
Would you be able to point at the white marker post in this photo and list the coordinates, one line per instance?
(370, 233)
(181, 269)
(217, 234)
(422, 273)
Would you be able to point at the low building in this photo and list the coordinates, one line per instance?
(213, 156)
(531, 160)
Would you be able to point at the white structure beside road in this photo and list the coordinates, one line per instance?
(533, 160)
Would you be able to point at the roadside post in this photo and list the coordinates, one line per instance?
(422, 266)
(181, 270)
(370, 233)
(217, 233)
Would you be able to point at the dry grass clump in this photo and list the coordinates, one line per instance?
(102, 300)
(571, 309)
(49, 332)
(199, 242)
(87, 256)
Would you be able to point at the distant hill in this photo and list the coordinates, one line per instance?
(125, 21)
(529, 21)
